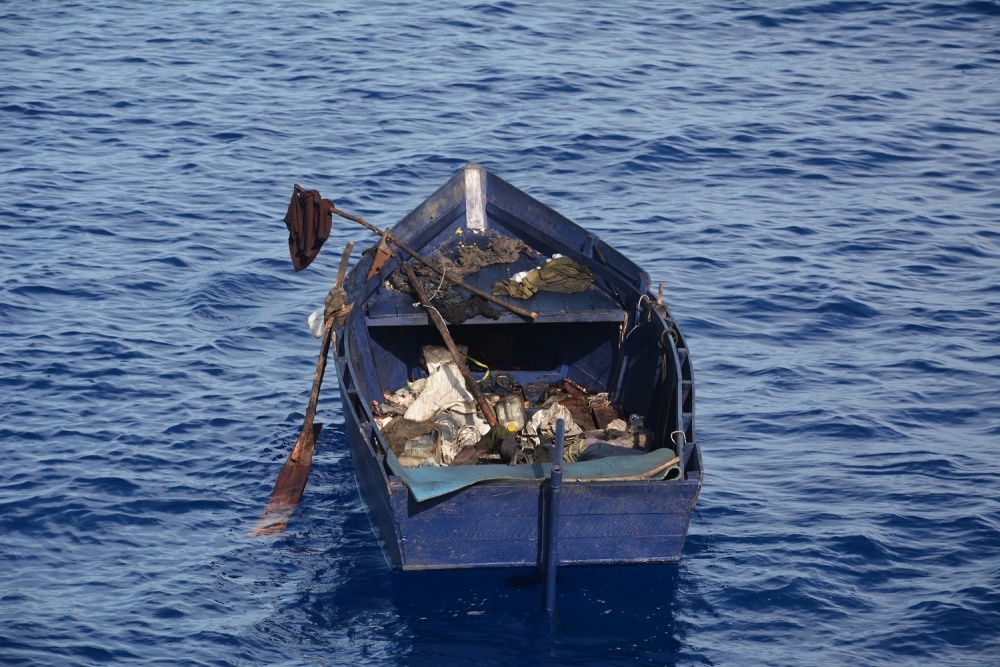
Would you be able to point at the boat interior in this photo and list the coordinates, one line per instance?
(588, 338)
(610, 337)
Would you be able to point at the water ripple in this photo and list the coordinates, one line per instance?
(815, 184)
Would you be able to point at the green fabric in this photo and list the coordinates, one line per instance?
(559, 275)
(491, 441)
(431, 482)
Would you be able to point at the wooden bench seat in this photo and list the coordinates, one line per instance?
(390, 308)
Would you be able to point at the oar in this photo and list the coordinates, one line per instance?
(292, 477)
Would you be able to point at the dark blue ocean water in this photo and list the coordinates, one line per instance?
(816, 183)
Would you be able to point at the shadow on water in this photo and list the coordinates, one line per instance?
(351, 608)
(496, 616)
(355, 608)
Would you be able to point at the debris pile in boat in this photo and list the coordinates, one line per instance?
(470, 257)
(433, 421)
(454, 307)
(429, 420)
(555, 274)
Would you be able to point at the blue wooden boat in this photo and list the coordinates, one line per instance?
(614, 337)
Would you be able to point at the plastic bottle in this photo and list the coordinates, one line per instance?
(510, 412)
(417, 451)
(447, 425)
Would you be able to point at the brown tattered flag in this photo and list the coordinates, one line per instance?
(309, 219)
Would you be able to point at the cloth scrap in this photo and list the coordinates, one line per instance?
(501, 250)
(400, 429)
(445, 390)
(397, 402)
(543, 423)
(309, 220)
(431, 482)
(433, 357)
(402, 433)
(459, 310)
(561, 275)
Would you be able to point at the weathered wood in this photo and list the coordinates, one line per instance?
(624, 522)
(607, 549)
(382, 254)
(604, 415)
(521, 499)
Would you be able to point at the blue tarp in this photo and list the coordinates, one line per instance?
(431, 482)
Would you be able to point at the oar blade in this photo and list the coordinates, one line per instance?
(289, 486)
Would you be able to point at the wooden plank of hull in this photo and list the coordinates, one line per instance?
(521, 498)
(458, 552)
(525, 527)
(497, 524)
(572, 551)
(374, 490)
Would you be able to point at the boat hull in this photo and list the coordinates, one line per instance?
(616, 339)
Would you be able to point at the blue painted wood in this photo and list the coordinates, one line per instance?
(501, 522)
(521, 498)
(482, 518)
(372, 481)
(550, 529)
(430, 216)
(496, 524)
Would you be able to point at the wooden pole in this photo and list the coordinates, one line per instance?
(442, 328)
